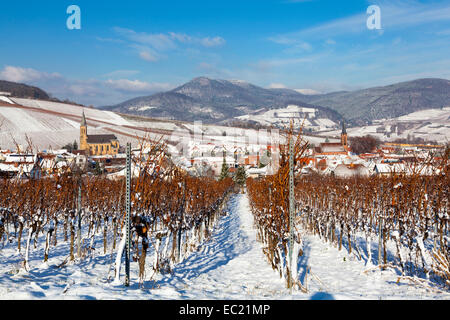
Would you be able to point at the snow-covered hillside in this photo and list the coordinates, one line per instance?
(431, 124)
(54, 124)
(282, 117)
(50, 124)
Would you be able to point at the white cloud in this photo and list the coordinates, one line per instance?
(121, 73)
(212, 42)
(18, 74)
(405, 14)
(394, 15)
(307, 91)
(287, 40)
(282, 62)
(147, 56)
(180, 37)
(83, 88)
(302, 91)
(151, 46)
(277, 86)
(157, 41)
(86, 91)
(126, 85)
(112, 40)
(167, 41)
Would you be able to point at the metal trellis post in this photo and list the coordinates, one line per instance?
(127, 221)
(291, 209)
(79, 221)
(380, 225)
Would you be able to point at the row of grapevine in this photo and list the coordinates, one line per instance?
(170, 210)
(269, 200)
(408, 213)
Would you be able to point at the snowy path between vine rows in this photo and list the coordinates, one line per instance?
(229, 265)
(233, 266)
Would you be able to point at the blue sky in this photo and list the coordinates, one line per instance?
(133, 48)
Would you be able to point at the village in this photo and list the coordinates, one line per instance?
(102, 154)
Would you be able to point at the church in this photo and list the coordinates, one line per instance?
(97, 144)
(334, 148)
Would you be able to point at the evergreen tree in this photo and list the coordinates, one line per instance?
(68, 147)
(71, 146)
(240, 176)
(225, 172)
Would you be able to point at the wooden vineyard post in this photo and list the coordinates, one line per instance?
(291, 210)
(179, 235)
(79, 221)
(380, 225)
(127, 219)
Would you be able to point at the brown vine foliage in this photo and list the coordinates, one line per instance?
(167, 199)
(414, 207)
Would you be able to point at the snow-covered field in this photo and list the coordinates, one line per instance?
(282, 116)
(230, 265)
(430, 124)
(51, 125)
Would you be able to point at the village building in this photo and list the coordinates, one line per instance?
(97, 144)
(19, 165)
(334, 148)
(326, 156)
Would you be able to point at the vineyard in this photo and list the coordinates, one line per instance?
(170, 210)
(182, 230)
(408, 213)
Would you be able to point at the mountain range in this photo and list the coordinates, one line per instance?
(361, 107)
(223, 101)
(217, 101)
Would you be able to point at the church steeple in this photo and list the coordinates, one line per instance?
(83, 133)
(344, 135)
(83, 120)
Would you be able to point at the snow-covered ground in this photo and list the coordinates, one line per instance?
(51, 125)
(230, 265)
(430, 124)
(283, 116)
